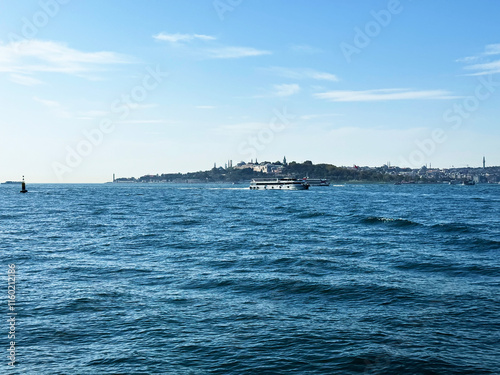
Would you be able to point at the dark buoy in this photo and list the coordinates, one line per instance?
(23, 187)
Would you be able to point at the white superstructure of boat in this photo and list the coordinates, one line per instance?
(316, 181)
(278, 184)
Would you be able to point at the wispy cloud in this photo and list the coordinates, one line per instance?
(47, 103)
(286, 89)
(234, 52)
(303, 74)
(54, 107)
(492, 49)
(139, 122)
(384, 95)
(483, 63)
(212, 50)
(485, 69)
(23, 59)
(318, 116)
(25, 80)
(205, 107)
(176, 38)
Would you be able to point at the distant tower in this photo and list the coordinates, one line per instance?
(215, 165)
(113, 177)
(484, 162)
(256, 162)
(284, 160)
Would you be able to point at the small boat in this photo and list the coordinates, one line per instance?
(23, 187)
(316, 181)
(468, 182)
(278, 184)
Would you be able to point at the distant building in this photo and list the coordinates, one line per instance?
(243, 165)
(268, 168)
(480, 179)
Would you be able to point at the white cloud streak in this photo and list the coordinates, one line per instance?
(54, 107)
(215, 52)
(384, 95)
(485, 68)
(25, 80)
(304, 74)
(234, 52)
(286, 89)
(23, 59)
(318, 116)
(139, 122)
(483, 63)
(177, 38)
(492, 49)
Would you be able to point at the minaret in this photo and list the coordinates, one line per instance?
(113, 177)
(484, 162)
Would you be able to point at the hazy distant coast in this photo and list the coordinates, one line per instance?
(243, 172)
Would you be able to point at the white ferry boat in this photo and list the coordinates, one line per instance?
(316, 181)
(278, 184)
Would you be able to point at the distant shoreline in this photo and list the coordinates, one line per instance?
(244, 172)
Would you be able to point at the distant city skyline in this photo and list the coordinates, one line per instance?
(92, 88)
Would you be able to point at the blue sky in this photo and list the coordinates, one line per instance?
(93, 88)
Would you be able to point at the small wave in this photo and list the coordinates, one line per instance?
(187, 222)
(310, 215)
(8, 217)
(235, 207)
(453, 227)
(387, 220)
(485, 244)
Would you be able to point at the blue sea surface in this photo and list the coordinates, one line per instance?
(219, 279)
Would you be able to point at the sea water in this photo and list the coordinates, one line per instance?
(219, 279)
